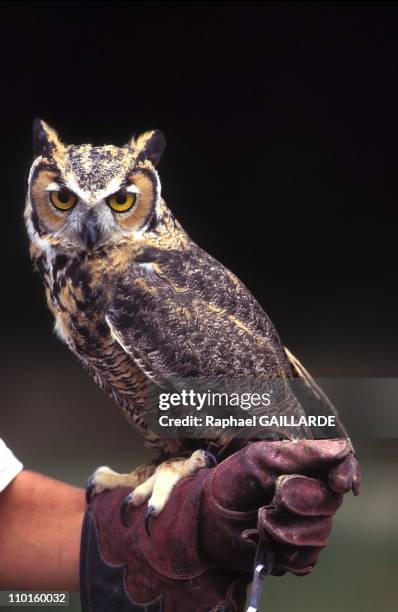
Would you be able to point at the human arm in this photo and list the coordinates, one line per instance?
(40, 528)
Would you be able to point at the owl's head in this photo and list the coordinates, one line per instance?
(84, 197)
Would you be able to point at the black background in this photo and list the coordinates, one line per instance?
(281, 121)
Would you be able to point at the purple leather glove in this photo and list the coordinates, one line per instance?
(201, 550)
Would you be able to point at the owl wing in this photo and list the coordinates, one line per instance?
(181, 314)
(182, 317)
(311, 395)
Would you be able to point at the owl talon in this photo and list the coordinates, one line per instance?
(123, 508)
(89, 487)
(210, 459)
(150, 511)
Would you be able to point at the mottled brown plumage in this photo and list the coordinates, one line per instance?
(138, 302)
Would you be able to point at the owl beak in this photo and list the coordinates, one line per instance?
(91, 233)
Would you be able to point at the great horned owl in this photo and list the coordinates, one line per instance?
(135, 298)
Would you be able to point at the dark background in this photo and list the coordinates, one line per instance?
(281, 121)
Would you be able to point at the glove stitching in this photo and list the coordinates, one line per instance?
(160, 569)
(179, 576)
(234, 515)
(93, 526)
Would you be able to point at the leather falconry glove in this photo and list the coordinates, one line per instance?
(201, 550)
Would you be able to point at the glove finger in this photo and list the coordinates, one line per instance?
(291, 529)
(246, 480)
(305, 496)
(346, 475)
(297, 456)
(299, 561)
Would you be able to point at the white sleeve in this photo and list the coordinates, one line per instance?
(9, 466)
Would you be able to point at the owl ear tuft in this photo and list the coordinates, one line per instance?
(150, 146)
(45, 139)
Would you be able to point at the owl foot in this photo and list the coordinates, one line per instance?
(105, 478)
(158, 487)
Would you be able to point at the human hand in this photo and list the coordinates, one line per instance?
(201, 550)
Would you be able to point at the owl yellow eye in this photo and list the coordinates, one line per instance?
(63, 199)
(122, 201)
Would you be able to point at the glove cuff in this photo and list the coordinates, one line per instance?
(125, 570)
(103, 585)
